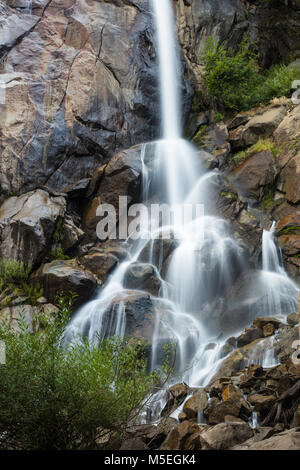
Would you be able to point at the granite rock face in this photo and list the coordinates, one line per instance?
(78, 83)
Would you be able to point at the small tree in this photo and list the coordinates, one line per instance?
(64, 398)
(234, 80)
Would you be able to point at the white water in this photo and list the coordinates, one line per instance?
(207, 260)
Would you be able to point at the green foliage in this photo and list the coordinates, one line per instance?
(58, 237)
(53, 397)
(58, 253)
(262, 145)
(12, 272)
(268, 200)
(218, 117)
(199, 138)
(33, 292)
(234, 81)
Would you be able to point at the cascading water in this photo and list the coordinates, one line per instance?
(207, 260)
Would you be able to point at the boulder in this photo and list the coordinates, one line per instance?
(255, 175)
(71, 234)
(289, 129)
(176, 395)
(142, 276)
(194, 405)
(290, 179)
(66, 276)
(178, 436)
(140, 314)
(152, 435)
(260, 322)
(261, 403)
(100, 262)
(293, 319)
(268, 330)
(249, 335)
(224, 436)
(27, 224)
(157, 251)
(30, 314)
(216, 413)
(287, 440)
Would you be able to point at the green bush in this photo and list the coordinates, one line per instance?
(12, 272)
(53, 397)
(235, 82)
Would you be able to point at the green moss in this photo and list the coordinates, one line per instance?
(230, 195)
(262, 145)
(268, 200)
(292, 229)
(218, 117)
(199, 137)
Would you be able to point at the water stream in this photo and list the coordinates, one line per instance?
(207, 260)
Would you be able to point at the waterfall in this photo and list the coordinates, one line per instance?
(207, 259)
(281, 293)
(168, 68)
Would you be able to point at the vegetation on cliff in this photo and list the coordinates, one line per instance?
(235, 82)
(53, 397)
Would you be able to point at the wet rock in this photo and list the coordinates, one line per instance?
(143, 277)
(66, 276)
(100, 262)
(182, 417)
(225, 436)
(293, 319)
(249, 335)
(139, 311)
(260, 322)
(268, 330)
(157, 251)
(228, 347)
(27, 224)
(194, 405)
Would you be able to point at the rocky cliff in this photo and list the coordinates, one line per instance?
(78, 96)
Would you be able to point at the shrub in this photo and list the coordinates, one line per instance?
(12, 272)
(33, 292)
(53, 397)
(234, 81)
